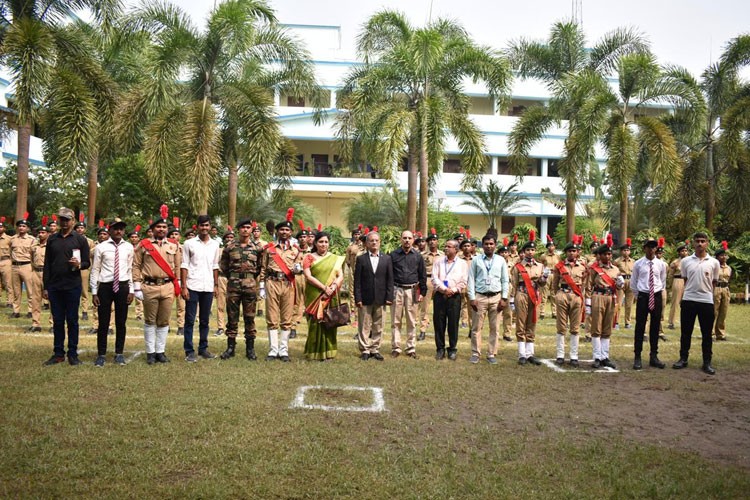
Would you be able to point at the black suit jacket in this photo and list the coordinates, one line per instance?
(373, 288)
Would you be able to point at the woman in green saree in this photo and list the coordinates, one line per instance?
(323, 272)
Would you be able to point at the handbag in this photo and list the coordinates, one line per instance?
(335, 316)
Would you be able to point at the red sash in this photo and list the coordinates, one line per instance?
(572, 285)
(610, 282)
(529, 289)
(270, 248)
(154, 253)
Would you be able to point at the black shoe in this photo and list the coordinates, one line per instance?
(206, 354)
(45, 307)
(151, 358)
(521, 361)
(85, 316)
(15, 315)
(452, 355)
(573, 363)
(663, 337)
(180, 331)
(119, 359)
(421, 336)
(74, 361)
(271, 358)
(364, 356)
(682, 363)
(377, 356)
(597, 364)
(637, 363)
(412, 355)
(28, 314)
(190, 357)
(560, 361)
(285, 359)
(35, 328)
(161, 358)
(440, 354)
(100, 360)
(708, 369)
(533, 361)
(54, 360)
(656, 363)
(219, 332)
(587, 338)
(293, 334)
(506, 338)
(606, 362)
(250, 354)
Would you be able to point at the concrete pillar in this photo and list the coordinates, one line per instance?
(333, 99)
(543, 229)
(545, 167)
(276, 97)
(493, 166)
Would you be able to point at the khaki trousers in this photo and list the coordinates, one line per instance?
(625, 294)
(486, 306)
(602, 315)
(678, 287)
(157, 304)
(138, 309)
(279, 305)
(424, 306)
(507, 319)
(21, 274)
(6, 280)
(36, 297)
(180, 312)
(221, 303)
(86, 305)
(404, 304)
(371, 320)
(721, 307)
(568, 312)
(299, 306)
(466, 311)
(525, 318)
(545, 292)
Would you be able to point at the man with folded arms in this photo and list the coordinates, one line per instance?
(648, 279)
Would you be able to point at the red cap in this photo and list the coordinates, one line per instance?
(549, 239)
(515, 238)
(432, 230)
(367, 231)
(661, 242)
(26, 215)
(468, 234)
(320, 227)
(627, 241)
(594, 238)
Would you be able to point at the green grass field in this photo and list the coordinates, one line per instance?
(227, 429)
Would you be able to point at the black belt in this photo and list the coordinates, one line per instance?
(38, 268)
(567, 289)
(488, 294)
(407, 286)
(626, 276)
(5, 257)
(17, 263)
(243, 276)
(722, 285)
(603, 291)
(679, 278)
(275, 275)
(156, 281)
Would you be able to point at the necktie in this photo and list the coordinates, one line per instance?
(651, 298)
(116, 282)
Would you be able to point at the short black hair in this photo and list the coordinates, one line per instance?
(488, 237)
(700, 234)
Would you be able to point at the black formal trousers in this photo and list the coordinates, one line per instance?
(704, 311)
(106, 298)
(641, 315)
(445, 315)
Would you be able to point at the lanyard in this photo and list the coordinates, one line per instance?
(448, 271)
(492, 263)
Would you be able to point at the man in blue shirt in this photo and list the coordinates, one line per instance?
(487, 290)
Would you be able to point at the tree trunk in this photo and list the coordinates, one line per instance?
(411, 193)
(93, 185)
(424, 188)
(232, 191)
(570, 216)
(710, 187)
(22, 189)
(624, 217)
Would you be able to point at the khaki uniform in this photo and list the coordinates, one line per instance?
(21, 272)
(261, 243)
(721, 302)
(589, 259)
(280, 295)
(158, 291)
(424, 317)
(625, 294)
(603, 303)
(354, 250)
(37, 264)
(299, 300)
(86, 305)
(508, 313)
(5, 268)
(221, 302)
(678, 287)
(465, 306)
(241, 265)
(526, 311)
(549, 260)
(569, 304)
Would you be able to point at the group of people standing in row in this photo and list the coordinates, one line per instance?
(299, 275)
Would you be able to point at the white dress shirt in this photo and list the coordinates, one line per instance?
(374, 260)
(103, 264)
(639, 278)
(200, 259)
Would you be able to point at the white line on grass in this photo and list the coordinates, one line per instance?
(555, 367)
(378, 404)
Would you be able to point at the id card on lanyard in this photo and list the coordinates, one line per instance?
(488, 279)
(447, 271)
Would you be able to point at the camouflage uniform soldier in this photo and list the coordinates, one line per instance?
(240, 263)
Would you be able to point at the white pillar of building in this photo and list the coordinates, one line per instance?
(543, 229)
(276, 97)
(333, 99)
(495, 112)
(493, 165)
(545, 167)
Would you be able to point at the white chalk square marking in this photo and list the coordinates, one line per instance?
(378, 402)
(549, 363)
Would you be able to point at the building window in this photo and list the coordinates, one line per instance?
(452, 166)
(295, 102)
(507, 224)
(321, 167)
(534, 167)
(552, 168)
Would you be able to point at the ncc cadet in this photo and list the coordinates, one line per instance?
(352, 251)
(513, 256)
(721, 292)
(430, 255)
(5, 267)
(20, 257)
(37, 265)
(173, 234)
(80, 228)
(466, 256)
(678, 283)
(507, 311)
(156, 266)
(240, 263)
(526, 277)
(550, 260)
(625, 296)
(256, 238)
(568, 285)
(299, 280)
(590, 258)
(281, 261)
(602, 283)
(221, 288)
(134, 237)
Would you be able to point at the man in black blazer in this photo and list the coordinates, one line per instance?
(373, 290)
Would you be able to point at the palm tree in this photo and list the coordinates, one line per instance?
(42, 56)
(223, 114)
(409, 96)
(379, 207)
(493, 202)
(562, 55)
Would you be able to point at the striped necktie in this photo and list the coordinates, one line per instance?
(116, 282)
(651, 297)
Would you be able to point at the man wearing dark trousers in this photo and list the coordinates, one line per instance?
(373, 290)
(67, 253)
(701, 274)
(648, 279)
(111, 282)
(449, 275)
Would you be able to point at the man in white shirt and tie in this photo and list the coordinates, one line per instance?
(111, 282)
(648, 280)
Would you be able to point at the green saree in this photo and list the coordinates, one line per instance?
(321, 341)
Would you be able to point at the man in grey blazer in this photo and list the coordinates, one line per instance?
(373, 290)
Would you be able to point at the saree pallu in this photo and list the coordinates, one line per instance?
(321, 341)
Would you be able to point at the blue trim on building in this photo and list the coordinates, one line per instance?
(4, 82)
(313, 26)
(11, 156)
